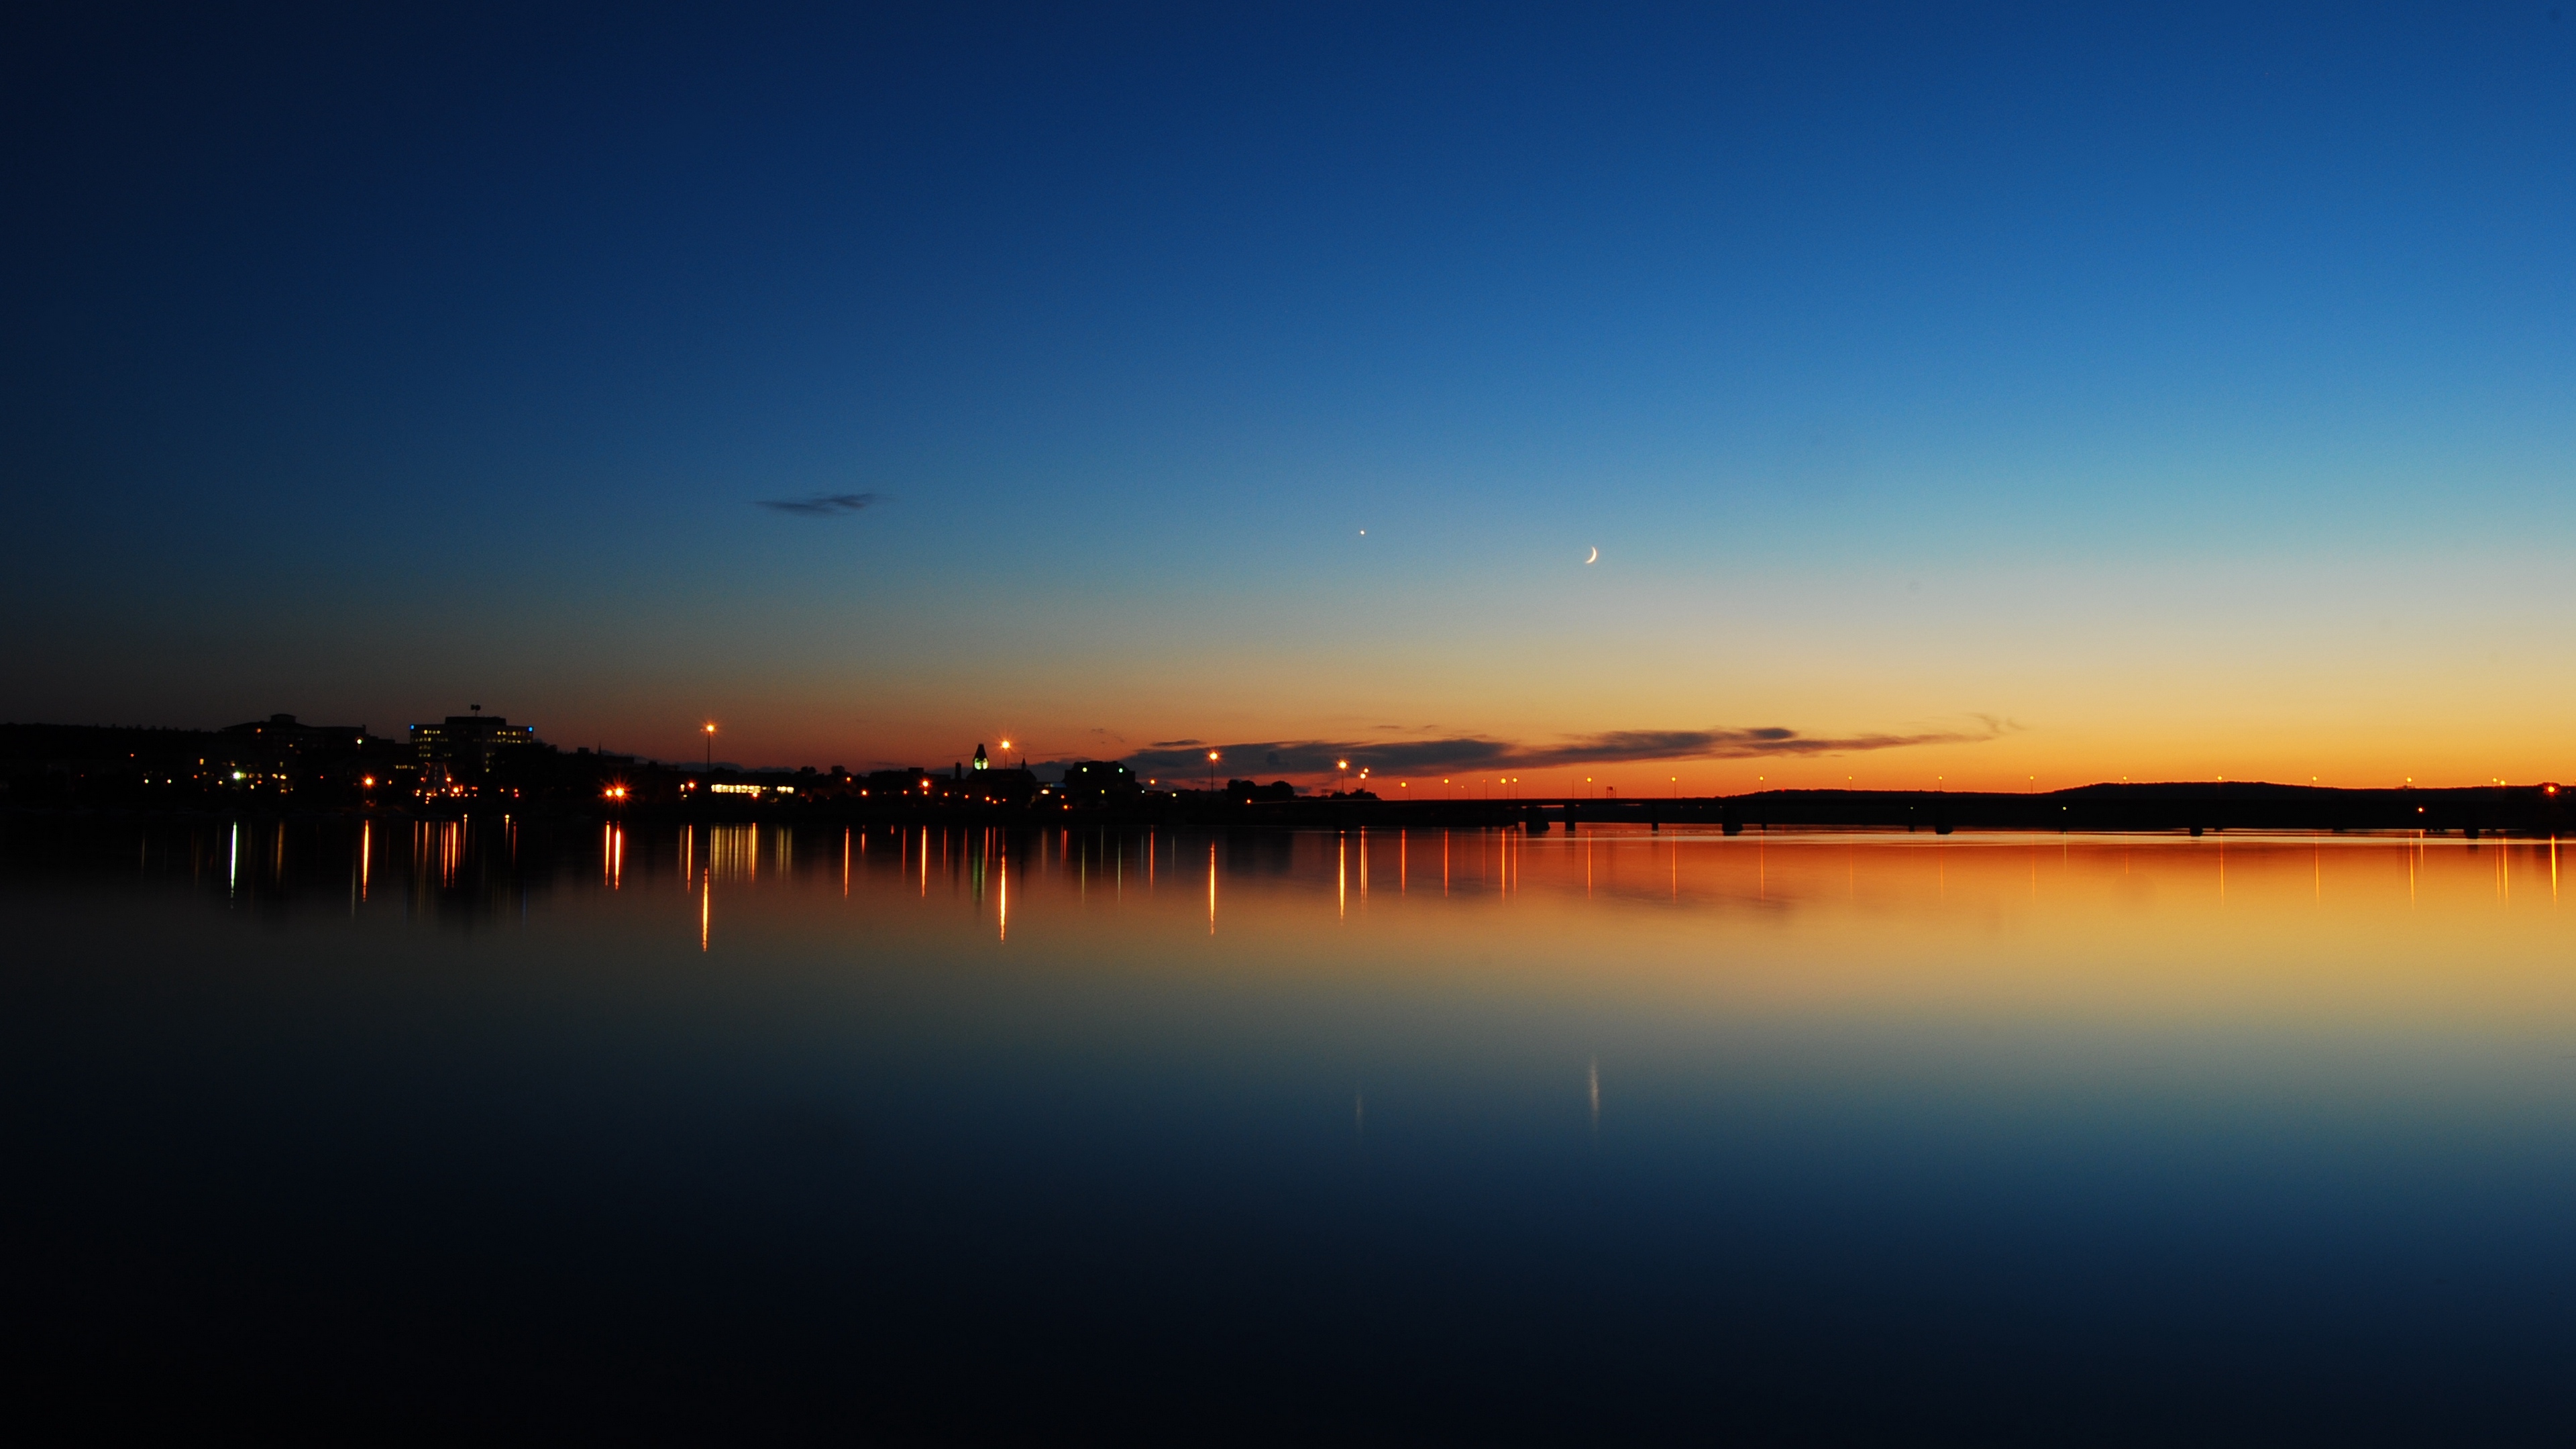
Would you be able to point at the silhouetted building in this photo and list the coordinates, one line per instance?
(262, 759)
(283, 732)
(1098, 779)
(898, 784)
(280, 755)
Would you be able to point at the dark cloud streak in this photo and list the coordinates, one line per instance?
(825, 505)
(1611, 747)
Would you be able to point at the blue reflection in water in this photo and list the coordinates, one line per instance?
(781, 1133)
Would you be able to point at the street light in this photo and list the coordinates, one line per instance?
(711, 751)
(1211, 772)
(1345, 767)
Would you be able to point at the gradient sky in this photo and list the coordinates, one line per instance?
(1996, 396)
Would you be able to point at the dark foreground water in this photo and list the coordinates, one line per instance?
(738, 1135)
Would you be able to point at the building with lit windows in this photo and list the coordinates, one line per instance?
(458, 752)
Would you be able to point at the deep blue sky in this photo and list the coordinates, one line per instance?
(2183, 389)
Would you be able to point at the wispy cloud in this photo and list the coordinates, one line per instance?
(1469, 752)
(825, 505)
(1618, 745)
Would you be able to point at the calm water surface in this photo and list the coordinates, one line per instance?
(429, 1131)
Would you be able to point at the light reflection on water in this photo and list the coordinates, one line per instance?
(1412, 1133)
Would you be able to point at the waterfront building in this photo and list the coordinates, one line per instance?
(467, 744)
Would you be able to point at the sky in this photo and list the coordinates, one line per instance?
(1661, 398)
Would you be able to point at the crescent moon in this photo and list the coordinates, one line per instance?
(1596, 557)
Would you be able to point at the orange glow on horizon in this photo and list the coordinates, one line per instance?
(2059, 743)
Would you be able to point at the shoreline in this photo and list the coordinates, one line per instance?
(2531, 811)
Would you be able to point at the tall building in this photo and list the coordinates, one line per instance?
(466, 744)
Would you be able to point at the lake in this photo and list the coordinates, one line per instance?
(398, 1130)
